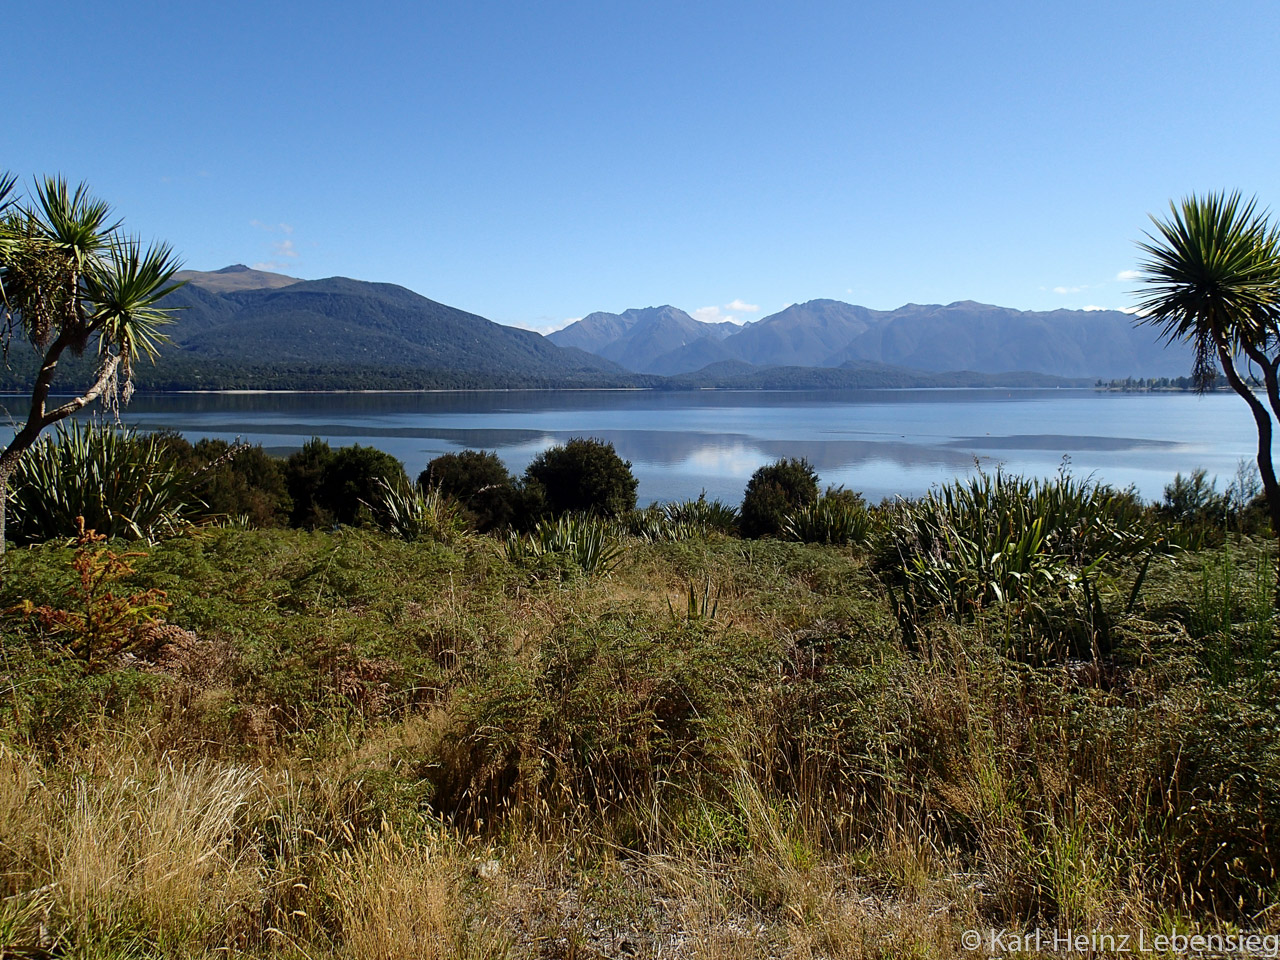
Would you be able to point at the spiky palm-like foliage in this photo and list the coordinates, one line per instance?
(839, 516)
(1212, 277)
(70, 280)
(591, 543)
(117, 482)
(415, 513)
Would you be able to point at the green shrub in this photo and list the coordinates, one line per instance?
(1205, 515)
(123, 484)
(1193, 498)
(584, 476)
(236, 481)
(774, 491)
(331, 486)
(839, 516)
(304, 474)
(480, 482)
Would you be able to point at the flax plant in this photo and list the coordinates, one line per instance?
(122, 485)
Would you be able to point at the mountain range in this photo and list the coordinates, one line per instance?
(966, 335)
(239, 328)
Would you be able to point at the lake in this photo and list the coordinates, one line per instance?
(882, 442)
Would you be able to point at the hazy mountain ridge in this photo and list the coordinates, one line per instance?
(965, 335)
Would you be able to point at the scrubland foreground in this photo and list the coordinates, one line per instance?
(279, 743)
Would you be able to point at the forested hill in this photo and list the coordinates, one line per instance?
(340, 323)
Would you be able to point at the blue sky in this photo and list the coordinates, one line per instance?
(533, 162)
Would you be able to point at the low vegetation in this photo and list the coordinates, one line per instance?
(1010, 704)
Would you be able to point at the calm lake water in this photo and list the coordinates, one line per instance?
(882, 442)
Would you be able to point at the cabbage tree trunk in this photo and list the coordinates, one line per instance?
(40, 417)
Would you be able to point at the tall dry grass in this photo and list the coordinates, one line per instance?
(111, 838)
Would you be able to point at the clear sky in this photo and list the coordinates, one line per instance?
(534, 162)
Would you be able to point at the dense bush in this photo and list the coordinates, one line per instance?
(353, 478)
(774, 491)
(768, 747)
(239, 481)
(123, 484)
(583, 476)
(1205, 515)
(303, 474)
(480, 482)
(332, 486)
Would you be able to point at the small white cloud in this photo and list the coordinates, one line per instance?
(1061, 291)
(282, 251)
(1128, 275)
(724, 314)
(272, 227)
(1093, 307)
(1133, 311)
(542, 325)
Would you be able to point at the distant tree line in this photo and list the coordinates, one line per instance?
(1186, 384)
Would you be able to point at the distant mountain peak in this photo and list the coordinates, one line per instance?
(640, 338)
(235, 278)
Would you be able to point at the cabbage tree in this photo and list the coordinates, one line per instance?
(1212, 278)
(71, 280)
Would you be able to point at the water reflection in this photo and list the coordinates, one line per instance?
(884, 442)
(1067, 444)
